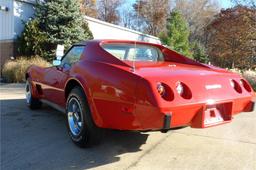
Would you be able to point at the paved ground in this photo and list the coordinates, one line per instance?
(38, 140)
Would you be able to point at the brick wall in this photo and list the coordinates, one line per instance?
(6, 51)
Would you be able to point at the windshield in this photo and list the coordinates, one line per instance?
(130, 53)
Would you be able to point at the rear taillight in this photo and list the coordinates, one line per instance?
(246, 85)
(165, 91)
(179, 88)
(235, 85)
(232, 83)
(183, 90)
(160, 89)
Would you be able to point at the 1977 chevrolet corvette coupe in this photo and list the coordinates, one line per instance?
(129, 85)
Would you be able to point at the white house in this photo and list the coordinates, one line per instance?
(12, 15)
(14, 12)
(105, 30)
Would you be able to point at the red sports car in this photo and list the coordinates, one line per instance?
(130, 85)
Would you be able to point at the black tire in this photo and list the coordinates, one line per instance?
(89, 134)
(32, 102)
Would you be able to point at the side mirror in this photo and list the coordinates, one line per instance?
(56, 62)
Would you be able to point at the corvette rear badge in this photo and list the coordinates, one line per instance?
(213, 86)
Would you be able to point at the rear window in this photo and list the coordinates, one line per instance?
(130, 52)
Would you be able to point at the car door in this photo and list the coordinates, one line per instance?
(55, 77)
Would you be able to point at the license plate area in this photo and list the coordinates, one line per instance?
(217, 114)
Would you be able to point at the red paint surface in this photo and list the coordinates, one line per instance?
(122, 99)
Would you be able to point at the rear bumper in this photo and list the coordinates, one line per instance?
(251, 107)
(199, 115)
(196, 115)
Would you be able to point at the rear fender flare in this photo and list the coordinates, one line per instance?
(83, 83)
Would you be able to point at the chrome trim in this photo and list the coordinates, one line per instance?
(75, 119)
(28, 92)
(213, 86)
(53, 105)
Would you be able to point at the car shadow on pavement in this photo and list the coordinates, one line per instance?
(37, 139)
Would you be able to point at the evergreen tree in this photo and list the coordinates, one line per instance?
(177, 34)
(55, 22)
(199, 53)
(31, 40)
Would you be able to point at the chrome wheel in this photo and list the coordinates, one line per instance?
(75, 121)
(28, 92)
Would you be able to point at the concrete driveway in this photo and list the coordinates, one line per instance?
(39, 140)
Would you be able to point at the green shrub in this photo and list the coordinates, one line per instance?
(55, 22)
(14, 70)
(32, 39)
(199, 52)
(177, 34)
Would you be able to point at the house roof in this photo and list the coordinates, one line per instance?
(27, 1)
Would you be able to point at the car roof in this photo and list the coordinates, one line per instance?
(94, 51)
(101, 41)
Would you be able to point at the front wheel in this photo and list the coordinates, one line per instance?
(32, 102)
(80, 124)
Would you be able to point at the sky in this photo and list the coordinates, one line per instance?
(225, 3)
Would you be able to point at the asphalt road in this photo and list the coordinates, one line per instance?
(38, 140)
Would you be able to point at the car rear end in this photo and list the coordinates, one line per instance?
(190, 97)
(174, 91)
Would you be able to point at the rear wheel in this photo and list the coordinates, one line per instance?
(32, 102)
(80, 124)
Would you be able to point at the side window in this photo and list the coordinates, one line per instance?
(72, 56)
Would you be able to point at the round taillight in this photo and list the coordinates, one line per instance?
(246, 85)
(179, 88)
(160, 89)
(235, 85)
(183, 90)
(165, 91)
(232, 83)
